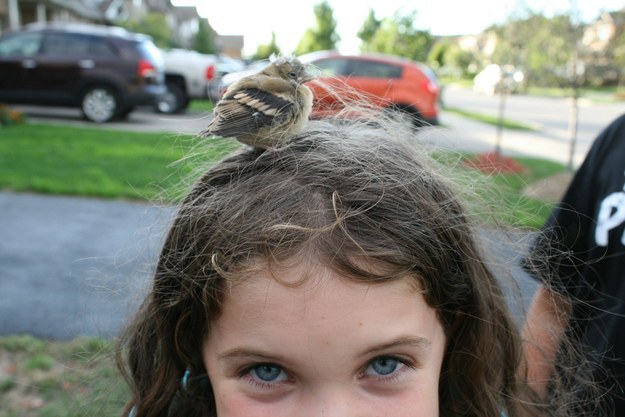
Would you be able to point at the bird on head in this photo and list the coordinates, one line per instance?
(265, 109)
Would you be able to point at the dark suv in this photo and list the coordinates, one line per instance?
(105, 71)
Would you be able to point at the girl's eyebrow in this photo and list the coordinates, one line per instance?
(246, 353)
(400, 342)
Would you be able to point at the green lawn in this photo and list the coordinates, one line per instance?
(101, 163)
(98, 162)
(201, 106)
(39, 378)
(498, 198)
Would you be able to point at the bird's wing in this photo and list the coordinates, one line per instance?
(246, 111)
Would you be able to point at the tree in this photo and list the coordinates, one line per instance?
(266, 50)
(398, 36)
(543, 47)
(615, 52)
(155, 25)
(204, 42)
(369, 27)
(449, 59)
(438, 56)
(323, 36)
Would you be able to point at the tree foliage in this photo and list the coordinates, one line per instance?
(323, 36)
(155, 25)
(543, 47)
(204, 40)
(369, 27)
(266, 50)
(447, 58)
(398, 36)
(614, 55)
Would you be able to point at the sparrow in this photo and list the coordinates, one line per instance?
(267, 108)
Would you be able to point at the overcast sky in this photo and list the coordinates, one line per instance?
(255, 19)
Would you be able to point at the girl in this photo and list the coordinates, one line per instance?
(336, 275)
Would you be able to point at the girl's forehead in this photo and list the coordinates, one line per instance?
(298, 283)
(322, 309)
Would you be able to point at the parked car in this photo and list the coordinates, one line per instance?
(187, 76)
(395, 84)
(494, 78)
(226, 64)
(105, 71)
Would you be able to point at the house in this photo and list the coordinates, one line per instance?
(231, 45)
(598, 34)
(14, 13)
(600, 48)
(182, 20)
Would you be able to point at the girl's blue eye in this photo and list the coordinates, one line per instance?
(383, 366)
(268, 373)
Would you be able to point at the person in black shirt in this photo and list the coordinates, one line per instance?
(580, 258)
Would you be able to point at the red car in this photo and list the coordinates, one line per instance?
(393, 83)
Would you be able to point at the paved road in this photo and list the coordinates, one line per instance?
(549, 115)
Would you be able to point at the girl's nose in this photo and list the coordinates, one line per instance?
(339, 401)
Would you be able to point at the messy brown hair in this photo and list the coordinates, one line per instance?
(347, 192)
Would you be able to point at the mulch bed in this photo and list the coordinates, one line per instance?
(495, 163)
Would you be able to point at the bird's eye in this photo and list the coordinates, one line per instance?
(292, 74)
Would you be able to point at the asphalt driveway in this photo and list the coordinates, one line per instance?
(73, 266)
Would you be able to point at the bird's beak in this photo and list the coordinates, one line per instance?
(305, 77)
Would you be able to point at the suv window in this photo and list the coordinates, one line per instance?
(332, 67)
(73, 45)
(23, 44)
(150, 51)
(373, 69)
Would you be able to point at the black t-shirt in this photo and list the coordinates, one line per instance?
(581, 253)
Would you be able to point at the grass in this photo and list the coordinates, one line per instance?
(204, 106)
(41, 378)
(96, 162)
(498, 197)
(512, 205)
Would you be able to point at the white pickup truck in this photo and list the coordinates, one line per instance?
(187, 75)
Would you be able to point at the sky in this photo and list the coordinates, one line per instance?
(289, 19)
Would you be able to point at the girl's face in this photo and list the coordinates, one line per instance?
(329, 347)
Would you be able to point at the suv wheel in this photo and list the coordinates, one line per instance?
(100, 104)
(173, 101)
